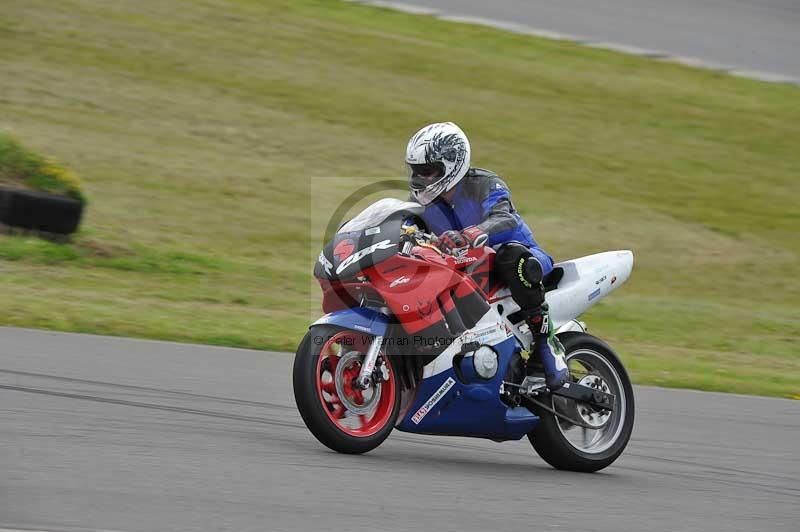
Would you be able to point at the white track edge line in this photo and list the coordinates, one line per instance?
(769, 77)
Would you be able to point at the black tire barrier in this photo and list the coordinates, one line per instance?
(39, 211)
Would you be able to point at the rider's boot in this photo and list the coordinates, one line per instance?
(547, 349)
(524, 275)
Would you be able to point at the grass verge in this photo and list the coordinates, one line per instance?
(22, 168)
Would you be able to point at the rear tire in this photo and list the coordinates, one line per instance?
(603, 446)
(316, 391)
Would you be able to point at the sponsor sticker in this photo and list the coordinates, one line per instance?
(489, 335)
(400, 280)
(594, 294)
(480, 334)
(372, 231)
(431, 402)
(601, 268)
(343, 249)
(465, 259)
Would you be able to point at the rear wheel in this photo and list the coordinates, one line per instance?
(340, 415)
(567, 446)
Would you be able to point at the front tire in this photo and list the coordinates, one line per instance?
(341, 417)
(573, 448)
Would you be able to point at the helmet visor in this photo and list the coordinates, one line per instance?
(425, 175)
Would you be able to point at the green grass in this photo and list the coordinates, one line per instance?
(22, 168)
(205, 131)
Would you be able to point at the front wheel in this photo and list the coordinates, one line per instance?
(564, 445)
(341, 416)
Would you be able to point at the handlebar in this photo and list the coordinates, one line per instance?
(415, 236)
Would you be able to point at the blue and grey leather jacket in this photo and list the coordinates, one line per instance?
(482, 199)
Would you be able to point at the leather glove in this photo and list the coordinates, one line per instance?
(451, 241)
(474, 236)
(470, 237)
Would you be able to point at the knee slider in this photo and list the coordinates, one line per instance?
(516, 261)
(509, 254)
(533, 271)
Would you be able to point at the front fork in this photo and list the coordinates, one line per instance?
(368, 366)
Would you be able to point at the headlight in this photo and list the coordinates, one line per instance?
(485, 362)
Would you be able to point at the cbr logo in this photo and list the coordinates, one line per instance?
(343, 249)
(325, 263)
(398, 281)
(358, 255)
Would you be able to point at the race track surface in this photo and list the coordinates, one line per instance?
(751, 35)
(114, 434)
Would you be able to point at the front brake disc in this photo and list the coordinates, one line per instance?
(371, 395)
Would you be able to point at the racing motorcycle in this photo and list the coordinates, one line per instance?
(428, 342)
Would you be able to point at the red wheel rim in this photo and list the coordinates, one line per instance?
(355, 424)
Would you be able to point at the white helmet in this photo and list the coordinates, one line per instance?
(437, 157)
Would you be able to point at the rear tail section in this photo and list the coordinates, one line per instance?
(586, 281)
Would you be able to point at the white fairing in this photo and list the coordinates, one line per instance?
(586, 281)
(376, 213)
(490, 330)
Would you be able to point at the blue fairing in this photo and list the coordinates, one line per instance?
(357, 319)
(471, 408)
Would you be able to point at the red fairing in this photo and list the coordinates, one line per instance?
(418, 289)
(478, 264)
(411, 286)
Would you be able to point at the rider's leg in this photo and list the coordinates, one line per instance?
(523, 273)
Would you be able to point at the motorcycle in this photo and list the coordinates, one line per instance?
(428, 342)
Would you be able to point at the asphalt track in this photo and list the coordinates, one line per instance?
(102, 433)
(755, 38)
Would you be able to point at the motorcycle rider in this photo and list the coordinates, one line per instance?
(470, 207)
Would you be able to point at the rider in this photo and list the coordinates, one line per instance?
(465, 206)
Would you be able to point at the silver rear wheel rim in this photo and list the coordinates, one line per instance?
(591, 441)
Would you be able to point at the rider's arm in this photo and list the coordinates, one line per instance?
(501, 221)
(497, 211)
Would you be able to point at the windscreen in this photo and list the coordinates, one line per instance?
(378, 212)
